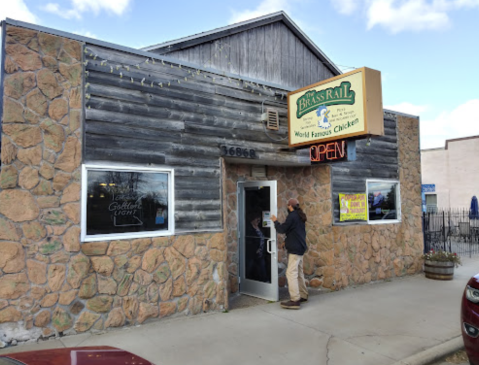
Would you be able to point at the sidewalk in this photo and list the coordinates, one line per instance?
(411, 320)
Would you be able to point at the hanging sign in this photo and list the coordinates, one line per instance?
(349, 105)
(352, 207)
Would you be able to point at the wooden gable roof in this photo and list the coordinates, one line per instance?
(270, 48)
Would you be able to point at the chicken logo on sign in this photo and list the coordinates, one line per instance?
(323, 114)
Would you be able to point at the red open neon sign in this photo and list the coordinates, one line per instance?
(328, 151)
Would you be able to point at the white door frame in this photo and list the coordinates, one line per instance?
(268, 291)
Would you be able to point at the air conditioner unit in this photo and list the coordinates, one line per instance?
(271, 118)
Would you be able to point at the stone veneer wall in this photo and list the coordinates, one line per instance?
(340, 256)
(312, 187)
(365, 253)
(51, 283)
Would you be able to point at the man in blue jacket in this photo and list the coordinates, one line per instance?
(295, 242)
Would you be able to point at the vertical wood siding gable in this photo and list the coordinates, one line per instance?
(271, 53)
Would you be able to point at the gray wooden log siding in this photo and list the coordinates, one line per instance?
(181, 126)
(378, 161)
(271, 53)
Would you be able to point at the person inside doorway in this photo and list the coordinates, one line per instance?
(295, 242)
(255, 248)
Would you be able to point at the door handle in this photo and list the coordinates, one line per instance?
(268, 246)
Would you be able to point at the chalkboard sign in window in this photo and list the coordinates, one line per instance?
(126, 203)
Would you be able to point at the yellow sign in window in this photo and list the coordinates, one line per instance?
(352, 207)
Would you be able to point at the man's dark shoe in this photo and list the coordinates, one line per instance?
(303, 300)
(290, 304)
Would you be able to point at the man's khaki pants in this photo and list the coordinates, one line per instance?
(294, 274)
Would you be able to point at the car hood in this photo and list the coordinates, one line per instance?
(474, 282)
(98, 355)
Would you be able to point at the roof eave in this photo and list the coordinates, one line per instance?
(138, 52)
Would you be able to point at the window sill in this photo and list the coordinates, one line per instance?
(384, 221)
(350, 223)
(365, 223)
(125, 236)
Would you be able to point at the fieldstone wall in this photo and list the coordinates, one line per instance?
(340, 256)
(312, 187)
(50, 283)
(39, 181)
(366, 253)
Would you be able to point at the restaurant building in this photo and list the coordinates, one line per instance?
(130, 178)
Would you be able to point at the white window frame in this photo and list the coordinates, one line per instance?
(132, 235)
(429, 206)
(398, 201)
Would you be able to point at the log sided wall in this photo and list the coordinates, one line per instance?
(180, 126)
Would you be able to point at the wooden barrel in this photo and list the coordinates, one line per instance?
(438, 270)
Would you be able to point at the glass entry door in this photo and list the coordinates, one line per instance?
(257, 239)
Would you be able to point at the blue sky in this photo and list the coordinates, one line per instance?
(427, 50)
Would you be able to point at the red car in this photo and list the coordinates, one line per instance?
(470, 319)
(98, 355)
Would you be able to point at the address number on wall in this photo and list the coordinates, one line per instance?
(229, 151)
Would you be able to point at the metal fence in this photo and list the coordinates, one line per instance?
(452, 230)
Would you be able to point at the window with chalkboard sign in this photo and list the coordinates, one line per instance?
(126, 202)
